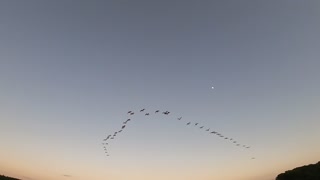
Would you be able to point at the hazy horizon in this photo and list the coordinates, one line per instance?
(70, 71)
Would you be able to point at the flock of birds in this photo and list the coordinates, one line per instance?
(110, 137)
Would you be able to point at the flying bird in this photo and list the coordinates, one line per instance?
(166, 112)
(126, 121)
(107, 138)
(104, 143)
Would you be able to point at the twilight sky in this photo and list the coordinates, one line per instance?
(70, 70)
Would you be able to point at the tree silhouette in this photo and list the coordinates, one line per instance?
(308, 172)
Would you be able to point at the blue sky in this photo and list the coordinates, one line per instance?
(69, 72)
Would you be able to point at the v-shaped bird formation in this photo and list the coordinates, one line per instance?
(125, 123)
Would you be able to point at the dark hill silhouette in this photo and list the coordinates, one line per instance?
(308, 172)
(2, 177)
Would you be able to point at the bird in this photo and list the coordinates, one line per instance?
(166, 113)
(107, 138)
(113, 136)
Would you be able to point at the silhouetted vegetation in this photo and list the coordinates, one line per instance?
(2, 177)
(308, 172)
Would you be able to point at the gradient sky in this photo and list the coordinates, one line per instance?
(70, 70)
